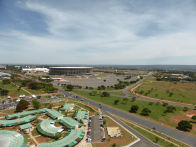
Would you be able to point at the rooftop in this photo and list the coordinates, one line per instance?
(71, 67)
(25, 126)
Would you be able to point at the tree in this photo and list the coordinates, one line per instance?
(6, 81)
(185, 109)
(170, 109)
(116, 102)
(36, 104)
(50, 106)
(93, 93)
(105, 94)
(184, 125)
(133, 99)
(145, 112)
(4, 92)
(165, 104)
(34, 86)
(69, 87)
(22, 105)
(134, 109)
(194, 117)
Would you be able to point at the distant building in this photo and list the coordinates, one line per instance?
(35, 70)
(69, 70)
(4, 75)
(2, 66)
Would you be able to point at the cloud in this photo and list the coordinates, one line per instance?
(104, 32)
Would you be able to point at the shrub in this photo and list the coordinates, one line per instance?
(185, 109)
(133, 99)
(184, 125)
(150, 103)
(6, 81)
(170, 109)
(69, 87)
(165, 104)
(194, 117)
(4, 92)
(134, 109)
(116, 102)
(105, 94)
(36, 104)
(145, 112)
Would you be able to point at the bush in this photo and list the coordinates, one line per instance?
(4, 92)
(36, 104)
(69, 87)
(184, 125)
(145, 112)
(133, 99)
(116, 102)
(150, 103)
(165, 104)
(105, 94)
(102, 87)
(93, 93)
(170, 109)
(185, 109)
(22, 105)
(134, 109)
(194, 117)
(6, 81)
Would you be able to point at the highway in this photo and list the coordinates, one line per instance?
(179, 135)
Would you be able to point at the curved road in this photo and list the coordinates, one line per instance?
(186, 138)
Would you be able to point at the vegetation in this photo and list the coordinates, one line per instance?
(105, 94)
(184, 92)
(22, 105)
(184, 125)
(116, 102)
(145, 112)
(69, 87)
(158, 115)
(4, 92)
(134, 109)
(36, 104)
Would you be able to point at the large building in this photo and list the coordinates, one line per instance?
(69, 70)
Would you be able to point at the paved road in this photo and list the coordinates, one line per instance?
(191, 140)
(144, 142)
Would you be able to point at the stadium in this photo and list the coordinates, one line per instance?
(69, 70)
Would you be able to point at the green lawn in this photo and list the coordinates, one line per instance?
(157, 109)
(118, 93)
(35, 91)
(12, 90)
(173, 91)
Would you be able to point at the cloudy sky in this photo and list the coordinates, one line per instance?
(98, 31)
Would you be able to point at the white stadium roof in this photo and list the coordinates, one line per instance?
(72, 67)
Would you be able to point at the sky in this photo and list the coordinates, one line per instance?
(129, 32)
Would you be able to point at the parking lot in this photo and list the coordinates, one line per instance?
(95, 131)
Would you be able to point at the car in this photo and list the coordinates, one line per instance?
(103, 139)
(88, 139)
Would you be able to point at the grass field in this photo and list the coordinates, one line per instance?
(13, 92)
(157, 110)
(173, 91)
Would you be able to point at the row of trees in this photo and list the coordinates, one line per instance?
(23, 104)
(144, 112)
